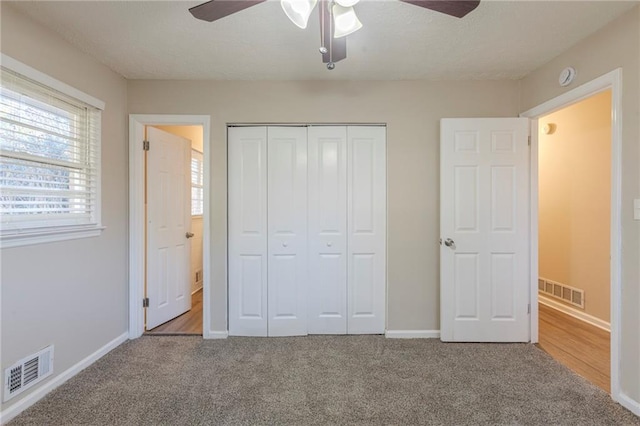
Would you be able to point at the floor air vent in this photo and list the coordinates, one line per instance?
(566, 293)
(27, 372)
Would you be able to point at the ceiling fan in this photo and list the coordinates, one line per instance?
(337, 17)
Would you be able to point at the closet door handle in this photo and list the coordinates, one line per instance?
(189, 234)
(284, 244)
(329, 244)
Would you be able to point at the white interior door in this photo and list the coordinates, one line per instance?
(327, 288)
(366, 241)
(484, 217)
(287, 230)
(247, 174)
(168, 222)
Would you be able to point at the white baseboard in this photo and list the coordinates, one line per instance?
(629, 404)
(412, 334)
(576, 313)
(49, 385)
(217, 334)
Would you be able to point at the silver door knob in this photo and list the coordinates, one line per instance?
(329, 244)
(284, 244)
(450, 243)
(189, 234)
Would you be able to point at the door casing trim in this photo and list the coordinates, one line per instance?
(137, 122)
(610, 81)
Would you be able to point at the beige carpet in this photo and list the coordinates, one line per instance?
(322, 380)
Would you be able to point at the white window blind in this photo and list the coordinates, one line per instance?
(197, 183)
(50, 158)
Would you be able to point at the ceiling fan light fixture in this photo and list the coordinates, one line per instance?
(345, 21)
(298, 11)
(347, 3)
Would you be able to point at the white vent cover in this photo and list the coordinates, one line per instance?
(568, 294)
(27, 372)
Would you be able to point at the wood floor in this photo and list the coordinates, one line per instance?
(188, 323)
(583, 348)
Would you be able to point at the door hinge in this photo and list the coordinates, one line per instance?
(529, 308)
(145, 145)
(145, 302)
(529, 140)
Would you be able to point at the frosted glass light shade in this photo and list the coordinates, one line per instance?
(345, 21)
(347, 3)
(298, 11)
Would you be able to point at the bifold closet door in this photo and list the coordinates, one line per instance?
(247, 174)
(307, 255)
(366, 241)
(347, 230)
(287, 227)
(267, 231)
(327, 288)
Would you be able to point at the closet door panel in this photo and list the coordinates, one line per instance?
(327, 287)
(366, 229)
(287, 228)
(247, 168)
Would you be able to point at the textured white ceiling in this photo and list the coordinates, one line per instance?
(161, 40)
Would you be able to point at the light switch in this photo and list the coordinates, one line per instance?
(636, 209)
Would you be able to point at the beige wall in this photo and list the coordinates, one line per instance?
(71, 294)
(411, 110)
(575, 200)
(616, 45)
(195, 135)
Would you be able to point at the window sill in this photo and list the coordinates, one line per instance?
(33, 237)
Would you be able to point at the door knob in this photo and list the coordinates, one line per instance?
(329, 244)
(450, 243)
(284, 244)
(189, 234)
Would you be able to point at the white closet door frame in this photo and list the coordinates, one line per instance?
(366, 243)
(247, 169)
(327, 290)
(287, 230)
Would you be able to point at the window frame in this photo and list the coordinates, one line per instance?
(199, 186)
(16, 237)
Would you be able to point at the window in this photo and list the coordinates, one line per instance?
(49, 159)
(197, 183)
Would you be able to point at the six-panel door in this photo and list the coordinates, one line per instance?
(168, 221)
(484, 229)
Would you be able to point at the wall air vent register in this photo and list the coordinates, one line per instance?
(27, 372)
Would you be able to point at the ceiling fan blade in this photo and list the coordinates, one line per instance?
(336, 47)
(216, 9)
(457, 8)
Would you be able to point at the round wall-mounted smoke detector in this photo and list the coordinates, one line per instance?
(566, 76)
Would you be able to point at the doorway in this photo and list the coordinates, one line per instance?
(200, 277)
(184, 287)
(612, 82)
(574, 192)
